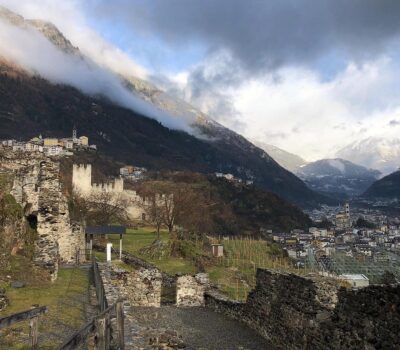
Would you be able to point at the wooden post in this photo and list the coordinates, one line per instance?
(108, 330)
(120, 247)
(100, 340)
(91, 245)
(33, 332)
(120, 324)
(77, 258)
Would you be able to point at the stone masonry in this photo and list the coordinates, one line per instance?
(141, 287)
(38, 189)
(190, 289)
(316, 313)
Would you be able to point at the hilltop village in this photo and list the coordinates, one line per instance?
(51, 146)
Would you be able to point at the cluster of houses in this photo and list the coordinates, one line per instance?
(232, 178)
(333, 251)
(132, 173)
(50, 146)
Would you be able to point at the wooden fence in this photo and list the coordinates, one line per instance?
(33, 317)
(100, 326)
(98, 283)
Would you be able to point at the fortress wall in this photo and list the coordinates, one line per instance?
(82, 182)
(316, 313)
(82, 178)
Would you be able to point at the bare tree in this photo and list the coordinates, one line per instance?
(173, 204)
(153, 210)
(107, 208)
(99, 208)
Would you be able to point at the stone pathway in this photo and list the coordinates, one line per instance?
(200, 328)
(195, 327)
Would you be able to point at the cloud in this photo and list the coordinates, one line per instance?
(308, 76)
(394, 122)
(262, 35)
(31, 50)
(71, 18)
(329, 114)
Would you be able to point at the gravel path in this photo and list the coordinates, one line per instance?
(200, 328)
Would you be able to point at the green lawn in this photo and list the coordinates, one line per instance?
(134, 240)
(65, 300)
(234, 273)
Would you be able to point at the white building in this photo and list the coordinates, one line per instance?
(355, 280)
(52, 150)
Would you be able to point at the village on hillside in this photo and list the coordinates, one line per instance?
(51, 146)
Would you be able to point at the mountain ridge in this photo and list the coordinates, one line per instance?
(216, 148)
(374, 152)
(387, 187)
(337, 176)
(287, 160)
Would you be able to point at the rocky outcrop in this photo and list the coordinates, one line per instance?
(316, 313)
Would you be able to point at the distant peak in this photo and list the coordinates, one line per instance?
(48, 29)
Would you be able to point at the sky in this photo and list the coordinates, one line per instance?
(307, 76)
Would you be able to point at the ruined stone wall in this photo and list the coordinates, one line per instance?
(190, 289)
(315, 313)
(82, 178)
(37, 188)
(141, 287)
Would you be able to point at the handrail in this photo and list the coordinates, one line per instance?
(98, 282)
(21, 316)
(99, 324)
(81, 335)
(78, 337)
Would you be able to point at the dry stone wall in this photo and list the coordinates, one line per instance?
(316, 313)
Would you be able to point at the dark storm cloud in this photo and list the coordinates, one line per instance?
(263, 34)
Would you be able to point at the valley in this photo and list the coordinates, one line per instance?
(133, 218)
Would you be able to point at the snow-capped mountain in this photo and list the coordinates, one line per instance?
(374, 152)
(337, 176)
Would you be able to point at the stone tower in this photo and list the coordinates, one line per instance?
(74, 133)
(82, 178)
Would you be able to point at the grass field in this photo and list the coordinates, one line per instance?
(234, 273)
(134, 240)
(65, 299)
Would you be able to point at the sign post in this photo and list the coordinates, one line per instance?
(109, 246)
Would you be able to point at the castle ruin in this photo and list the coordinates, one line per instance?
(37, 188)
(82, 184)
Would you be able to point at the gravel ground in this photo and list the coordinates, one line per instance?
(200, 328)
